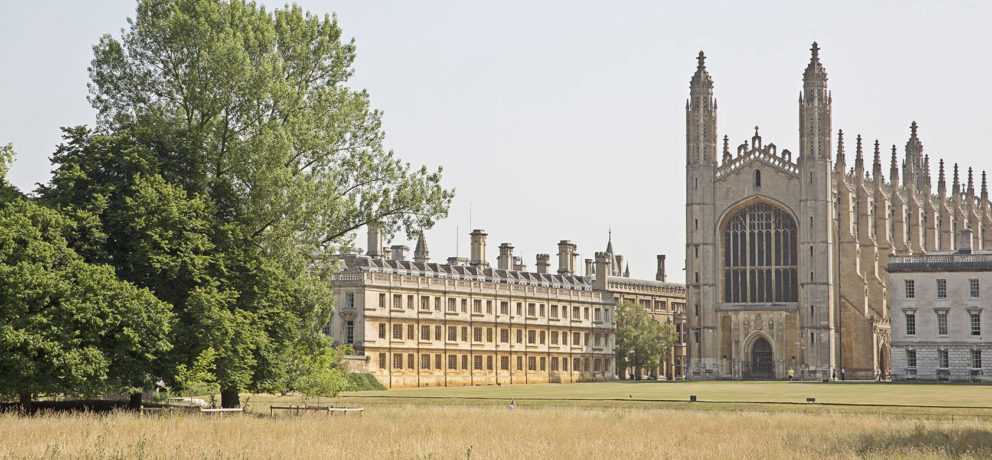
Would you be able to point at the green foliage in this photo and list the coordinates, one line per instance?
(198, 379)
(7, 192)
(641, 342)
(67, 326)
(317, 372)
(232, 160)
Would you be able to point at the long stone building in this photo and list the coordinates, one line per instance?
(786, 254)
(415, 323)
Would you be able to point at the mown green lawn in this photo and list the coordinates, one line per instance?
(837, 393)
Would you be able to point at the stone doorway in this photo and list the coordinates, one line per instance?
(762, 366)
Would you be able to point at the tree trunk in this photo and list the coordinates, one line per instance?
(229, 398)
(134, 402)
(25, 400)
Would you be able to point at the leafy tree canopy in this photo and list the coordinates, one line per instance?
(229, 161)
(67, 326)
(641, 341)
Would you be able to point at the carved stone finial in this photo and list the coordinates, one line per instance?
(971, 182)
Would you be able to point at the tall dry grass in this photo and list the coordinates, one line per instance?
(425, 432)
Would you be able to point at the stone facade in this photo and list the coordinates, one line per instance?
(786, 255)
(417, 323)
(940, 318)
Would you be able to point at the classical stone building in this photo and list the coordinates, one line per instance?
(940, 329)
(417, 323)
(786, 254)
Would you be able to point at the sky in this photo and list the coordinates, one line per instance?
(565, 119)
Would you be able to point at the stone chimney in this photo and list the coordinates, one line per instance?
(618, 265)
(398, 252)
(478, 248)
(518, 264)
(602, 271)
(375, 241)
(660, 274)
(457, 261)
(566, 257)
(965, 241)
(543, 262)
(505, 259)
(590, 268)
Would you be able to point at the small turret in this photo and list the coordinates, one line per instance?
(971, 185)
(955, 186)
(894, 169)
(876, 165)
(859, 161)
(985, 189)
(726, 148)
(941, 183)
(840, 166)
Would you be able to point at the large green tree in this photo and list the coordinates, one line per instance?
(7, 191)
(67, 326)
(641, 341)
(232, 158)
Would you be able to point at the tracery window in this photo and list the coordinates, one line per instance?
(760, 256)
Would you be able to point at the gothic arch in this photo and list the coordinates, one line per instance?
(758, 252)
(753, 369)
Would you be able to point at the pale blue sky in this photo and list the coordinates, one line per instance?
(559, 119)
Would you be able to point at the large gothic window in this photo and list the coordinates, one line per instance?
(759, 256)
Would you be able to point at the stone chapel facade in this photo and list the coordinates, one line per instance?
(786, 254)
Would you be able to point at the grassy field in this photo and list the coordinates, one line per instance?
(441, 432)
(596, 420)
(977, 396)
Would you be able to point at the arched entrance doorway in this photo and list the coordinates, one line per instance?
(762, 366)
(883, 361)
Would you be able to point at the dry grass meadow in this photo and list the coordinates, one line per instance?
(755, 420)
(424, 431)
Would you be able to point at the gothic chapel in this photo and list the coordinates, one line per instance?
(786, 256)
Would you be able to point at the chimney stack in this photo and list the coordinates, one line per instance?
(543, 262)
(964, 241)
(505, 259)
(660, 275)
(399, 252)
(618, 267)
(566, 257)
(602, 271)
(375, 241)
(518, 264)
(590, 268)
(478, 248)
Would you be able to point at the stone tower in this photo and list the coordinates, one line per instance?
(701, 140)
(816, 254)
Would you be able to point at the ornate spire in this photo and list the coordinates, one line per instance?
(926, 171)
(894, 169)
(914, 148)
(941, 184)
(814, 70)
(876, 166)
(840, 166)
(626, 271)
(971, 182)
(701, 79)
(859, 161)
(726, 148)
(985, 189)
(955, 185)
(609, 241)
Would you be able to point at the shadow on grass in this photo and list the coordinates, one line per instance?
(952, 443)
